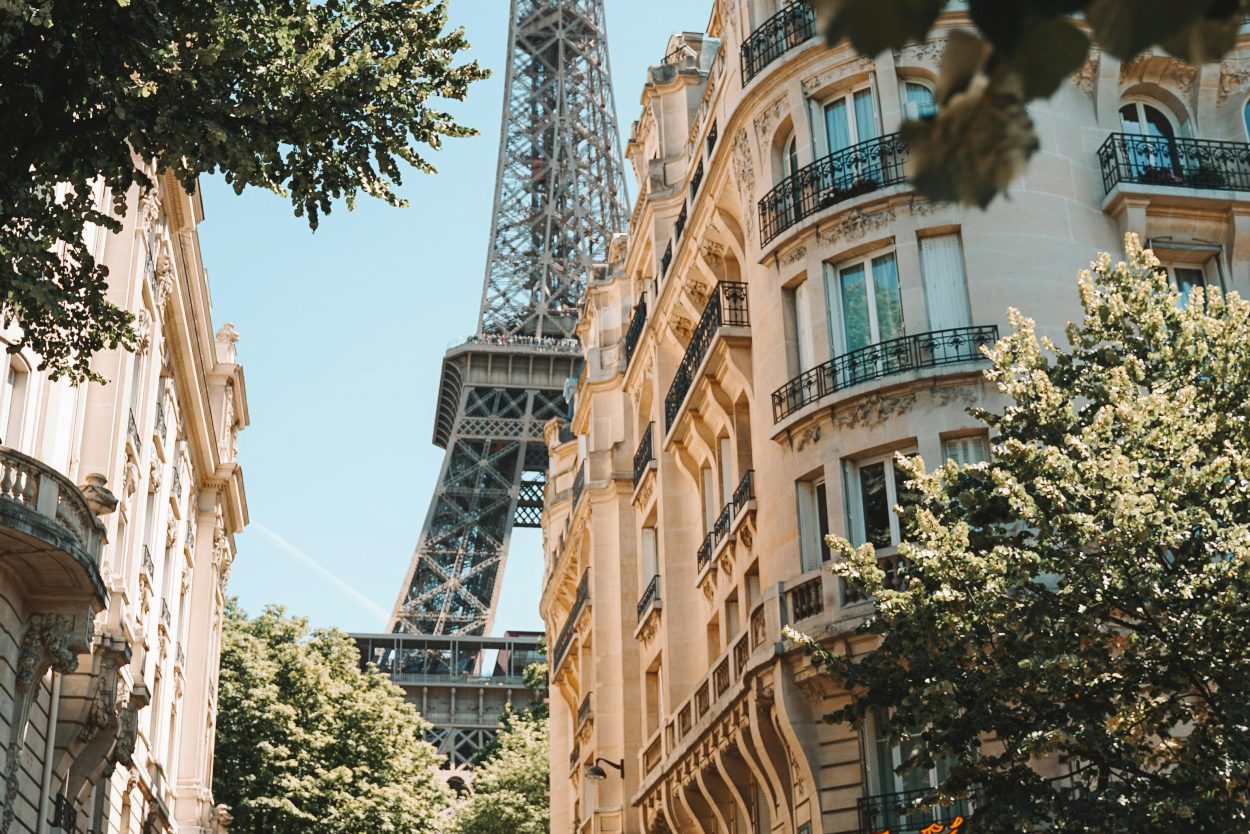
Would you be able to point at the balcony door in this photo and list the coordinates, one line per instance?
(870, 311)
(851, 119)
(891, 809)
(1149, 149)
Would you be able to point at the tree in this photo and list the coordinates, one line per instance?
(981, 137)
(1085, 595)
(309, 744)
(511, 788)
(315, 100)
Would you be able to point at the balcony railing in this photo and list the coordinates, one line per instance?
(66, 523)
(583, 710)
(696, 180)
(159, 427)
(742, 653)
(727, 307)
(652, 755)
(579, 484)
(636, 324)
(712, 136)
(680, 225)
(806, 600)
(166, 616)
(666, 259)
(149, 566)
(896, 356)
(788, 28)
(704, 554)
(575, 756)
(132, 431)
(759, 627)
(745, 491)
(1164, 160)
(570, 622)
(649, 597)
(841, 175)
(895, 568)
(897, 813)
(177, 485)
(644, 454)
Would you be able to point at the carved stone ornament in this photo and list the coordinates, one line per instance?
(171, 531)
(1086, 75)
(814, 84)
(713, 254)
(854, 225)
(746, 536)
(873, 410)
(744, 174)
(767, 117)
(1169, 72)
(808, 437)
(130, 477)
(798, 253)
(927, 52)
(103, 700)
(154, 476)
(143, 331)
(150, 209)
(708, 584)
(649, 626)
(682, 328)
(164, 278)
(962, 394)
(186, 580)
(645, 488)
(1234, 77)
(697, 290)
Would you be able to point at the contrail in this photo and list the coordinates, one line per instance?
(317, 566)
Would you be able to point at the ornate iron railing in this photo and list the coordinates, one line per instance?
(680, 225)
(696, 180)
(666, 259)
(637, 322)
(720, 678)
(723, 522)
(759, 626)
(704, 554)
(583, 710)
(570, 622)
(159, 428)
(180, 657)
(897, 813)
(806, 600)
(742, 653)
(745, 491)
(788, 28)
(579, 484)
(649, 597)
(896, 356)
(644, 454)
(177, 485)
(712, 136)
(64, 814)
(149, 566)
(132, 431)
(1164, 160)
(727, 307)
(841, 175)
(702, 700)
(166, 616)
(575, 756)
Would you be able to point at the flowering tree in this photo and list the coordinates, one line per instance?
(1084, 598)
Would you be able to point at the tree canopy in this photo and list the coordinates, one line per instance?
(1083, 598)
(309, 744)
(315, 100)
(511, 787)
(982, 137)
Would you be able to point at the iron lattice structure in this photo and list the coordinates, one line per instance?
(559, 198)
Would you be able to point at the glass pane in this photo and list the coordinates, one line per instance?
(1186, 279)
(905, 497)
(822, 520)
(886, 297)
(792, 157)
(921, 97)
(837, 125)
(1157, 124)
(875, 505)
(1129, 120)
(865, 116)
(856, 327)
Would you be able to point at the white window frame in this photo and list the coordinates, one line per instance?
(813, 552)
(856, 525)
(911, 109)
(847, 95)
(833, 298)
(966, 449)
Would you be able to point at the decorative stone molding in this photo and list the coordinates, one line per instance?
(808, 437)
(150, 209)
(143, 332)
(171, 531)
(1234, 76)
(99, 498)
(1086, 76)
(164, 278)
(683, 328)
(1160, 68)
(645, 487)
(812, 85)
(926, 52)
(873, 410)
(698, 292)
(744, 175)
(964, 394)
(154, 476)
(798, 253)
(854, 225)
(765, 119)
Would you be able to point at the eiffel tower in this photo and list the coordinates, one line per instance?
(559, 197)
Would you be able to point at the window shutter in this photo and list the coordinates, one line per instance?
(966, 450)
(809, 552)
(945, 285)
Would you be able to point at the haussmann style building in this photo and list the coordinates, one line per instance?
(118, 508)
(784, 315)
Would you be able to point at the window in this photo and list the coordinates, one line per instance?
(790, 158)
(874, 487)
(12, 403)
(1188, 276)
(813, 508)
(918, 101)
(869, 304)
(650, 555)
(850, 119)
(794, 312)
(708, 485)
(1148, 144)
(945, 284)
(965, 450)
(725, 463)
(890, 756)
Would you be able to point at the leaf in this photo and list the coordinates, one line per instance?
(873, 26)
(1048, 52)
(1125, 28)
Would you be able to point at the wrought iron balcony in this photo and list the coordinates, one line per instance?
(712, 136)
(149, 566)
(806, 600)
(723, 522)
(132, 432)
(644, 455)
(745, 491)
(177, 485)
(1176, 162)
(896, 356)
(579, 484)
(704, 554)
(50, 537)
(570, 622)
(680, 225)
(696, 180)
(637, 322)
(649, 597)
(666, 259)
(898, 814)
(159, 428)
(727, 307)
(788, 28)
(583, 711)
(841, 175)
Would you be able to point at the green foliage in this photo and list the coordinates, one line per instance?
(511, 788)
(981, 138)
(309, 744)
(316, 100)
(1085, 597)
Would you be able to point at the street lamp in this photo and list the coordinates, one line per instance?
(593, 771)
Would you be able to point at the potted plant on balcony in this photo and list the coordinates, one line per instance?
(1206, 175)
(1160, 175)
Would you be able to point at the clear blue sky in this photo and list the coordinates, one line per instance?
(342, 335)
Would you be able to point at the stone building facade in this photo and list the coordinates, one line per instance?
(118, 508)
(782, 317)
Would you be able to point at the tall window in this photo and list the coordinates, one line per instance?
(794, 312)
(725, 463)
(945, 285)
(12, 402)
(1186, 277)
(813, 510)
(918, 100)
(874, 487)
(850, 119)
(650, 555)
(1148, 144)
(870, 305)
(790, 157)
(890, 756)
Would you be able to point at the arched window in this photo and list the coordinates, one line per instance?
(790, 157)
(1148, 142)
(918, 100)
(1245, 117)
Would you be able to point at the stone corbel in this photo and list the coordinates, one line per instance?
(52, 640)
(89, 735)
